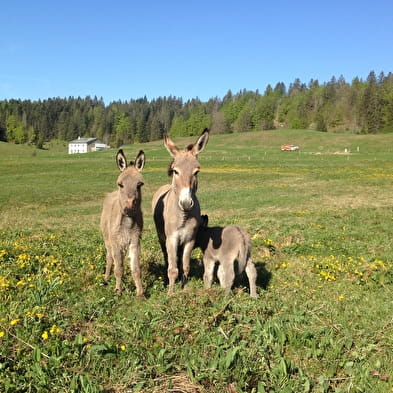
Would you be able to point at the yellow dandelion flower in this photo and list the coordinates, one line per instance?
(2, 334)
(54, 329)
(341, 297)
(45, 335)
(14, 321)
(123, 347)
(4, 283)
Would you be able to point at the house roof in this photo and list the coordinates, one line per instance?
(84, 140)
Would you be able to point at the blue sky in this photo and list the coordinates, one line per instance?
(120, 50)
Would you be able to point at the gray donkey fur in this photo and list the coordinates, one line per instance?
(122, 221)
(226, 245)
(176, 208)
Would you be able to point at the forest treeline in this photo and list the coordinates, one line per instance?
(362, 106)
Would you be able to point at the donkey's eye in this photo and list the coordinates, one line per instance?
(196, 172)
(121, 185)
(175, 172)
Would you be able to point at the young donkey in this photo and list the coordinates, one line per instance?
(226, 245)
(176, 208)
(122, 221)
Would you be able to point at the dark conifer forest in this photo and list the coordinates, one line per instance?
(362, 106)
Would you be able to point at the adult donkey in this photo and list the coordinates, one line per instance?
(122, 221)
(176, 208)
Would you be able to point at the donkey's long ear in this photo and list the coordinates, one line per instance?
(140, 161)
(170, 146)
(201, 142)
(121, 160)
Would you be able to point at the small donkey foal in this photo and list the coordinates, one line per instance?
(226, 245)
(122, 221)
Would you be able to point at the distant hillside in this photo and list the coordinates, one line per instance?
(334, 106)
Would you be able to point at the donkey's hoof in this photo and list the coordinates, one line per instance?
(170, 292)
(184, 281)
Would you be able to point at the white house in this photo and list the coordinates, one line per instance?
(85, 145)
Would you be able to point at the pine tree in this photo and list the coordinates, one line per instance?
(372, 105)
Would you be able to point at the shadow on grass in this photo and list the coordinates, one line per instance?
(263, 277)
(159, 272)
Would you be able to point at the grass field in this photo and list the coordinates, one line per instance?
(321, 221)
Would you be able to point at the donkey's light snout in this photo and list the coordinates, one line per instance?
(129, 205)
(186, 202)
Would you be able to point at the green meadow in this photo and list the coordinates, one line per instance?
(321, 222)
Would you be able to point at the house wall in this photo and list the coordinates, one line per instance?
(85, 147)
(77, 148)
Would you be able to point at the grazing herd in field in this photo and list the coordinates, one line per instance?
(179, 224)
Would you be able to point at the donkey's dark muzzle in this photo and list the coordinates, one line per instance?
(186, 205)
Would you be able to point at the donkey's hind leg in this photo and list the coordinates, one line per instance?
(164, 252)
(226, 275)
(251, 272)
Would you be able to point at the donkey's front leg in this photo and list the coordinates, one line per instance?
(109, 263)
(209, 265)
(173, 271)
(118, 269)
(226, 275)
(134, 255)
(188, 247)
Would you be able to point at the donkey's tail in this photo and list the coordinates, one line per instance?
(244, 249)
